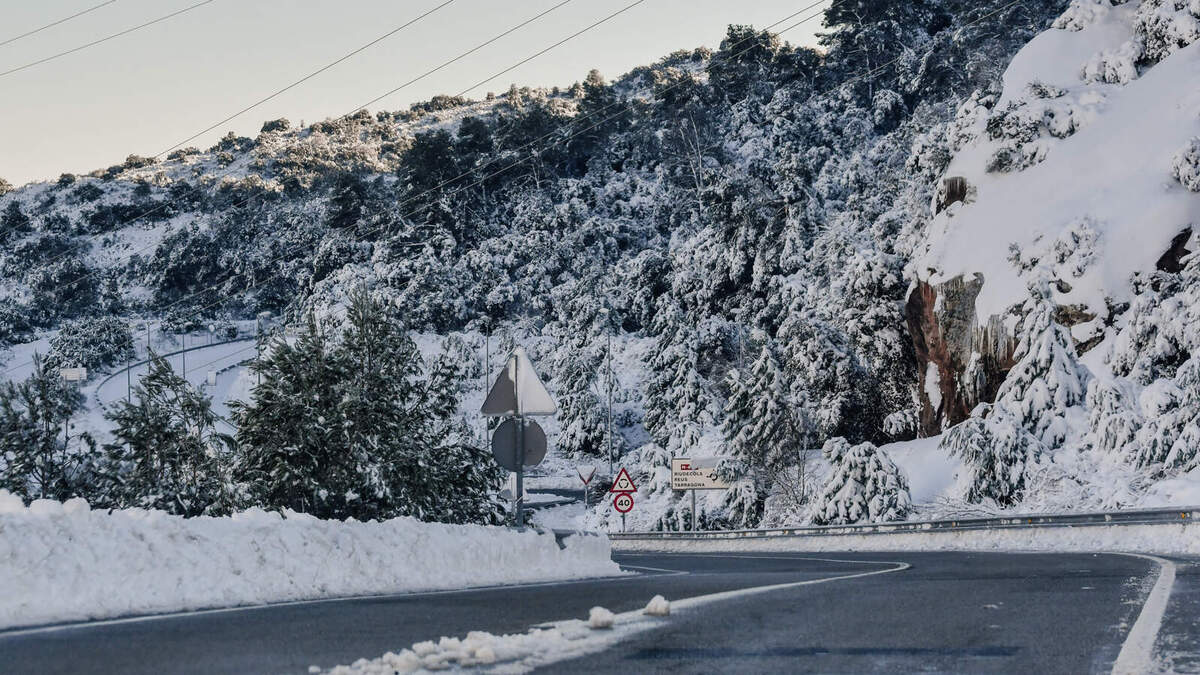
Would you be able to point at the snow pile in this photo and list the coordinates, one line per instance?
(517, 652)
(658, 606)
(66, 562)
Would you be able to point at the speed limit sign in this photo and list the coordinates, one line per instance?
(623, 502)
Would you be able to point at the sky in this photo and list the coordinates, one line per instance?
(146, 91)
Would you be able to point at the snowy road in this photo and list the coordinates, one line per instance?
(957, 612)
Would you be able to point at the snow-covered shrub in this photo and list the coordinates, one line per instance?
(1185, 165)
(1112, 415)
(863, 486)
(1170, 437)
(1083, 13)
(1166, 26)
(1115, 66)
(901, 425)
(1161, 27)
(91, 343)
(997, 453)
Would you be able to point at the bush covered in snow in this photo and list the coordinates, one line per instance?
(864, 486)
(91, 343)
(1185, 166)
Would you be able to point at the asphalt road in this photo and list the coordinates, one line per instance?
(949, 612)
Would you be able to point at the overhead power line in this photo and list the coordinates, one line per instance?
(52, 25)
(478, 169)
(306, 78)
(93, 43)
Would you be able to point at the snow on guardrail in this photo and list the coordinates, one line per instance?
(1148, 530)
(64, 562)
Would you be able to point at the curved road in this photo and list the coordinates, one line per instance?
(947, 612)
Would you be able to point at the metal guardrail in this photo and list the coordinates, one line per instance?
(121, 371)
(1185, 515)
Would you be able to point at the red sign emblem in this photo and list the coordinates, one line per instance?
(623, 502)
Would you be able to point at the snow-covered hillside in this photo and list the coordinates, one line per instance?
(809, 263)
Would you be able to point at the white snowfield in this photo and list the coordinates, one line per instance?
(63, 562)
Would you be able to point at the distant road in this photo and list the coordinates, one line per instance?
(949, 612)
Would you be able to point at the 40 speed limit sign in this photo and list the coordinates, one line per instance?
(623, 502)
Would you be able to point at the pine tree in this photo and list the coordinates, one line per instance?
(1169, 440)
(39, 461)
(289, 432)
(581, 416)
(997, 453)
(1047, 378)
(863, 486)
(169, 454)
(759, 425)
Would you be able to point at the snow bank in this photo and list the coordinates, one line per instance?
(1168, 538)
(65, 562)
(1113, 173)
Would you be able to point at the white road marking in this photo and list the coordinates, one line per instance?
(1137, 654)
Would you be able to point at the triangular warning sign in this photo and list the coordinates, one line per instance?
(518, 390)
(623, 483)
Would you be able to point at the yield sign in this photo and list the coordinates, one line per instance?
(585, 474)
(623, 483)
(518, 391)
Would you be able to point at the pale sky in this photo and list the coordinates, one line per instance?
(146, 91)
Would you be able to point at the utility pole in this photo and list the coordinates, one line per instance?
(184, 355)
(608, 360)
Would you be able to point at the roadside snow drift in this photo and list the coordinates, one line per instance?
(64, 562)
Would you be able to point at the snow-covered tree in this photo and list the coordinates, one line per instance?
(39, 456)
(864, 485)
(997, 453)
(1047, 378)
(168, 454)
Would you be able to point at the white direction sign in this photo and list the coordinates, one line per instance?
(696, 473)
(73, 374)
(518, 390)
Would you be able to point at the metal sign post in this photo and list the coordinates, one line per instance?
(585, 474)
(518, 392)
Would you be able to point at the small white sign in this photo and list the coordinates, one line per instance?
(73, 374)
(211, 378)
(696, 473)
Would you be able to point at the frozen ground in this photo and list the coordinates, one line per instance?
(64, 562)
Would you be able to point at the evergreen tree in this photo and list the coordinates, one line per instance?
(581, 416)
(863, 486)
(759, 426)
(997, 453)
(288, 434)
(39, 459)
(351, 426)
(169, 454)
(1047, 378)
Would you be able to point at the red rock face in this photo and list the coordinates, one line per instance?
(970, 361)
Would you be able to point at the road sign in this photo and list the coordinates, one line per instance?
(73, 374)
(623, 483)
(504, 443)
(623, 503)
(697, 473)
(518, 390)
(586, 473)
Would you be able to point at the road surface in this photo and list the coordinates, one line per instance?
(948, 612)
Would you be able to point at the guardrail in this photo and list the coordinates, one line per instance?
(1187, 514)
(121, 371)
